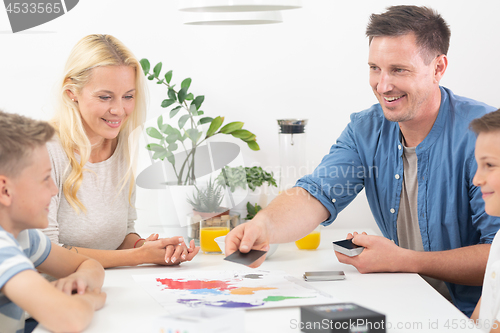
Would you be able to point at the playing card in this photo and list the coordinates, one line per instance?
(245, 258)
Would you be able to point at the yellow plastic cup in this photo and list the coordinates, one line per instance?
(311, 241)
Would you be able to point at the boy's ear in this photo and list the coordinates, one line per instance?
(5, 191)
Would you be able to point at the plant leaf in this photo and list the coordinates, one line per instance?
(168, 129)
(198, 101)
(252, 138)
(155, 147)
(174, 111)
(163, 128)
(153, 132)
(160, 82)
(242, 134)
(192, 134)
(192, 109)
(171, 139)
(214, 126)
(157, 69)
(186, 83)
(256, 176)
(167, 102)
(160, 155)
(160, 121)
(171, 94)
(145, 65)
(250, 208)
(253, 145)
(205, 120)
(173, 146)
(181, 95)
(171, 158)
(151, 77)
(189, 97)
(231, 127)
(183, 120)
(168, 76)
(176, 131)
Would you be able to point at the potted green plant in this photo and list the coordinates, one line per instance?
(206, 201)
(252, 210)
(236, 179)
(208, 212)
(187, 132)
(254, 177)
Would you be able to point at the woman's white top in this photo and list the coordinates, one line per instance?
(109, 216)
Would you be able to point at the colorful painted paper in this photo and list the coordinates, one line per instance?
(230, 289)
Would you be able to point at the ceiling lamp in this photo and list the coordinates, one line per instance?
(237, 5)
(241, 18)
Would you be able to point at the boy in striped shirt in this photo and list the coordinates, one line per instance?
(26, 188)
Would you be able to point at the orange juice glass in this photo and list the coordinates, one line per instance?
(211, 229)
(309, 242)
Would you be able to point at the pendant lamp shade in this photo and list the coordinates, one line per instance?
(237, 5)
(241, 18)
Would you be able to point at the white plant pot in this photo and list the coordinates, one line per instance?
(173, 209)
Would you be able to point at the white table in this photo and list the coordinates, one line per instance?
(409, 303)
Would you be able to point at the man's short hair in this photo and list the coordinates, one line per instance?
(19, 136)
(430, 29)
(490, 122)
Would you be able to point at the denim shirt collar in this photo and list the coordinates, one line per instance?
(437, 128)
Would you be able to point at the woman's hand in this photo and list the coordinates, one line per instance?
(167, 251)
(152, 237)
(174, 255)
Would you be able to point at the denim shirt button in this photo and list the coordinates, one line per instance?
(393, 210)
(399, 147)
(396, 176)
(334, 200)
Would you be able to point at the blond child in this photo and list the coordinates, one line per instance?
(26, 189)
(487, 312)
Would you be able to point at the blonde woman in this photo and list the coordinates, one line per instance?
(100, 103)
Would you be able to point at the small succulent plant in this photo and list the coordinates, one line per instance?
(207, 200)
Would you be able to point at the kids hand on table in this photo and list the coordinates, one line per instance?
(73, 284)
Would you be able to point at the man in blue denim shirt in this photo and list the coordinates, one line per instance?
(414, 155)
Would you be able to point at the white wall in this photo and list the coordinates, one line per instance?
(312, 66)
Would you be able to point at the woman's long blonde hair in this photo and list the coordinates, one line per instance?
(90, 52)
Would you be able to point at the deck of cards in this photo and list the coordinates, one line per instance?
(347, 247)
(324, 276)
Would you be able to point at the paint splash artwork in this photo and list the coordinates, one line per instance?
(230, 289)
